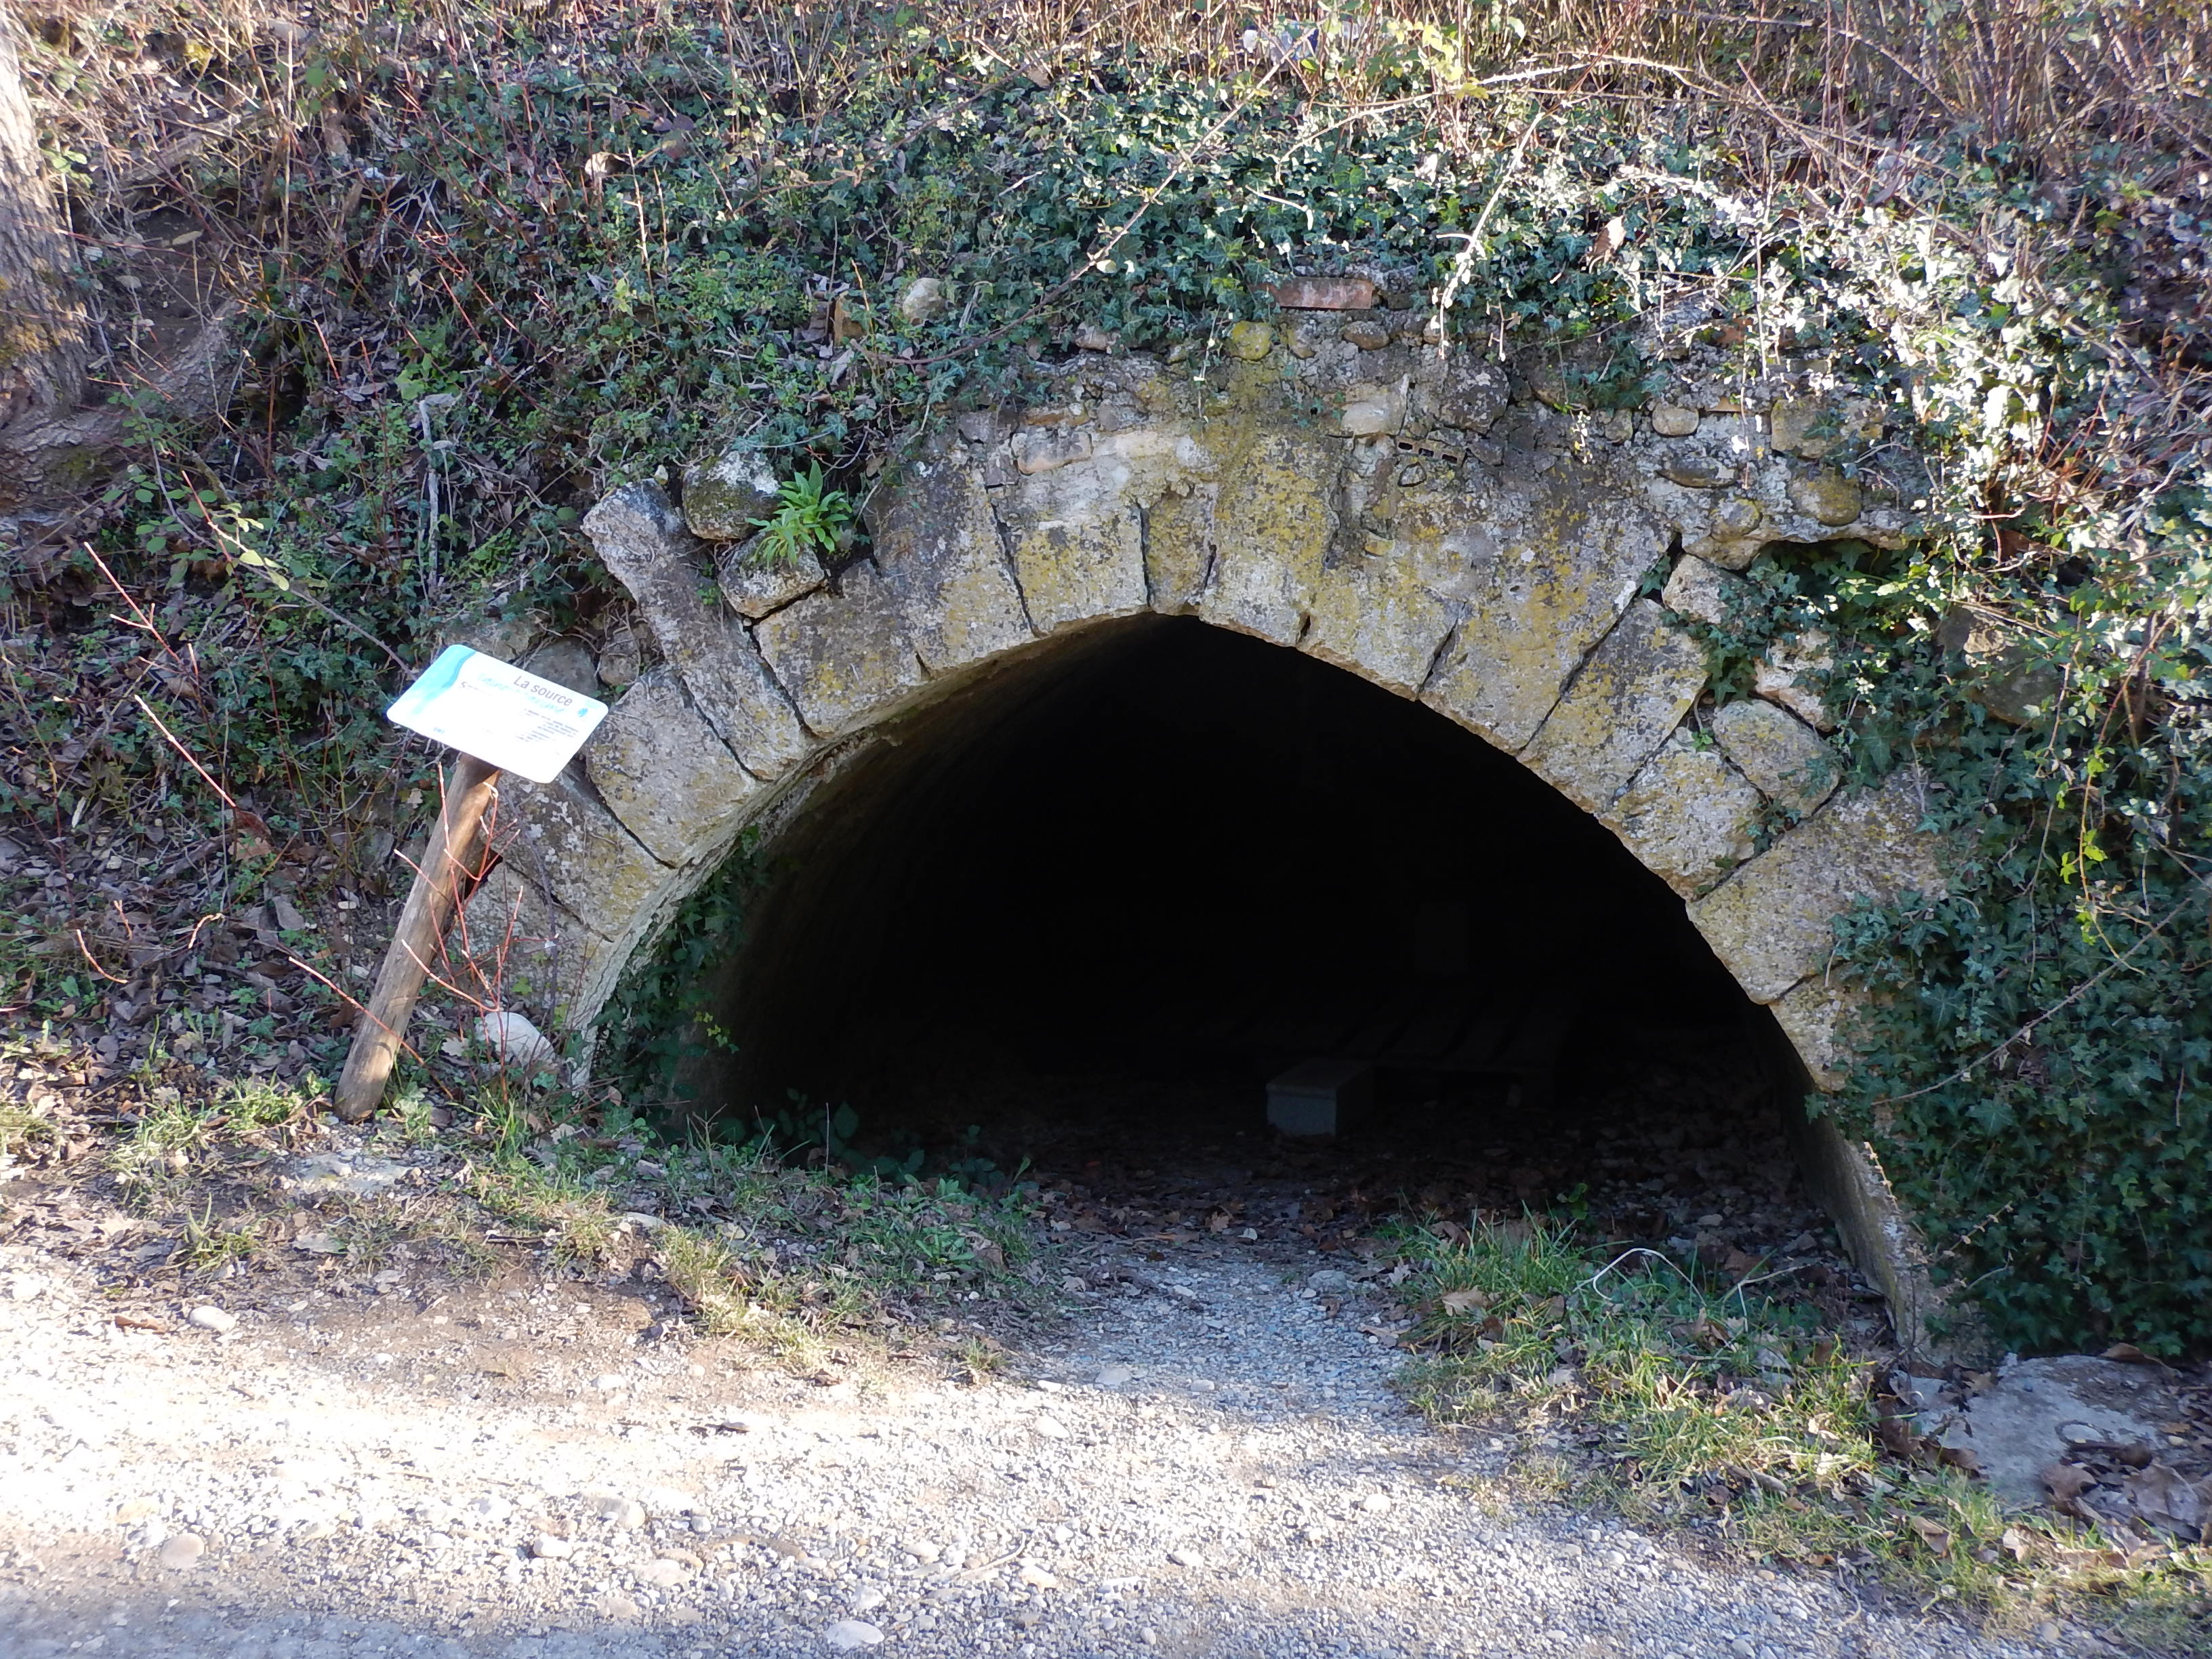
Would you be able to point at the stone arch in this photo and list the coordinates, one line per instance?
(1399, 513)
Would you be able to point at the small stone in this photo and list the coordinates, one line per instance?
(1827, 497)
(848, 1634)
(546, 1547)
(624, 1513)
(1091, 337)
(1368, 333)
(1373, 415)
(1697, 474)
(132, 1509)
(1049, 1428)
(287, 914)
(182, 1551)
(724, 498)
(1186, 1558)
(1116, 1377)
(1673, 420)
(1325, 294)
(1375, 1503)
(1816, 427)
(313, 1531)
(1795, 672)
(609, 1381)
(1250, 342)
(755, 586)
(622, 657)
(924, 300)
(865, 1599)
(520, 1045)
(1708, 593)
(214, 1319)
(1330, 1282)
(1047, 451)
(616, 1605)
(664, 1573)
(1038, 1578)
(1731, 540)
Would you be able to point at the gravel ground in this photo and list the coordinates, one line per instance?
(1207, 1461)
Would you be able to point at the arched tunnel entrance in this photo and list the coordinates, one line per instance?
(1077, 917)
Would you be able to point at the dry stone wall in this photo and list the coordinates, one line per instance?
(1406, 514)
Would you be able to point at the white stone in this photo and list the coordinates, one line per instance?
(924, 300)
(1703, 591)
(182, 1551)
(515, 1040)
(214, 1319)
(849, 1634)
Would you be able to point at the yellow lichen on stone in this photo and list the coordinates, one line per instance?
(1271, 535)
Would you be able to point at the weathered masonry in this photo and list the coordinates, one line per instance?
(1394, 512)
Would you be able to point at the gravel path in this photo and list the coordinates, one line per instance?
(1206, 1462)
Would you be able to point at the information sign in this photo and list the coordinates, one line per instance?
(504, 716)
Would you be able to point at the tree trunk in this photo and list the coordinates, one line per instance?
(44, 340)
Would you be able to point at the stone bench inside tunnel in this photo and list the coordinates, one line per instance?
(1398, 513)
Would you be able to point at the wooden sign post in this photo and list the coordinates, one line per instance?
(447, 861)
(501, 719)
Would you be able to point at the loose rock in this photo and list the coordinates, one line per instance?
(182, 1551)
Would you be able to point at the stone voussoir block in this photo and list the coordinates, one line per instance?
(937, 546)
(664, 772)
(1687, 815)
(1778, 752)
(642, 540)
(844, 657)
(1620, 707)
(1272, 525)
(1772, 923)
(1552, 567)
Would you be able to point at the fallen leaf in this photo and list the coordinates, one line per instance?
(1895, 1434)
(2127, 1354)
(2067, 1482)
(1959, 1457)
(1936, 1536)
(1465, 1302)
(2017, 1543)
(2162, 1497)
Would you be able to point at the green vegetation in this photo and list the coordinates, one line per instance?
(788, 1257)
(809, 518)
(488, 267)
(1696, 1400)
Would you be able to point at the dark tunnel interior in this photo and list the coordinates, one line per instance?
(1075, 918)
